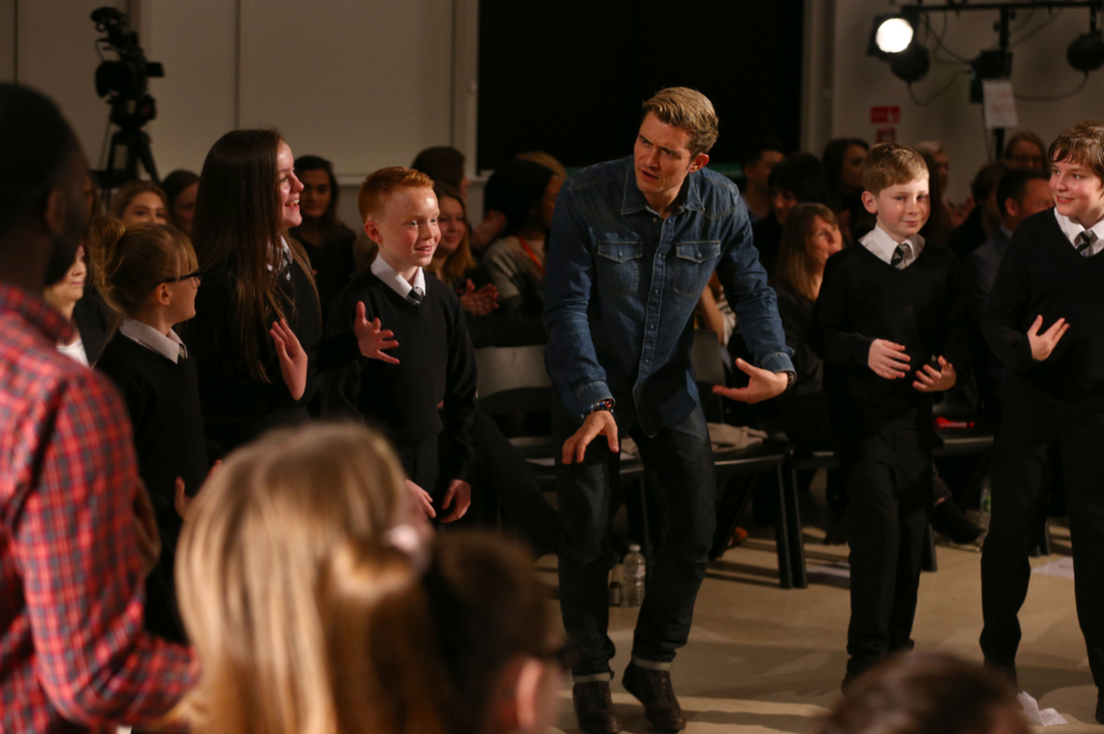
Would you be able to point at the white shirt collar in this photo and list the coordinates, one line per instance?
(394, 281)
(1071, 228)
(883, 245)
(285, 258)
(170, 347)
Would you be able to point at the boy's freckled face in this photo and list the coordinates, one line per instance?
(406, 230)
(1078, 192)
(902, 209)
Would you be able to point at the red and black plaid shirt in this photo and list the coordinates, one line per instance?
(73, 654)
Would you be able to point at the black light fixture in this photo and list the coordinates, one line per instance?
(1086, 53)
(893, 39)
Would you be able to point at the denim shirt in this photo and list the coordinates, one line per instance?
(622, 284)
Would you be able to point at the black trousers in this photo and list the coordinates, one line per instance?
(889, 483)
(1031, 426)
(420, 462)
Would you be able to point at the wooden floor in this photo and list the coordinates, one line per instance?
(764, 659)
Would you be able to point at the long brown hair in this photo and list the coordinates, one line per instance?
(238, 227)
(794, 265)
(461, 260)
(130, 262)
(128, 191)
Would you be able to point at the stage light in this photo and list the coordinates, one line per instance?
(1086, 53)
(910, 65)
(893, 35)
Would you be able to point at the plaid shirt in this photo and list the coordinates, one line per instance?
(73, 653)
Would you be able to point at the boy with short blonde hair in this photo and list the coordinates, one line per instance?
(889, 326)
(420, 354)
(1043, 321)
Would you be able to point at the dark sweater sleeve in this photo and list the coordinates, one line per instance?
(829, 334)
(956, 349)
(460, 396)
(340, 383)
(1007, 307)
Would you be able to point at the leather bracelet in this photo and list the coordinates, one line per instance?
(606, 404)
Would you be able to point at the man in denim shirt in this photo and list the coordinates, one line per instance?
(633, 245)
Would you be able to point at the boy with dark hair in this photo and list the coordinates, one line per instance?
(887, 307)
(758, 164)
(424, 357)
(1044, 322)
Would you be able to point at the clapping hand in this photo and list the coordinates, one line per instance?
(931, 379)
(479, 302)
(372, 338)
(887, 359)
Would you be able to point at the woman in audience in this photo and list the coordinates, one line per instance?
(255, 280)
(796, 180)
(1025, 149)
(328, 242)
(63, 296)
(525, 193)
(140, 201)
(843, 163)
(150, 277)
(951, 213)
(453, 263)
(926, 693)
(181, 188)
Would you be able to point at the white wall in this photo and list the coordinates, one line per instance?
(365, 83)
(1039, 68)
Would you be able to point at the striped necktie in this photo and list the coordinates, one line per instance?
(415, 296)
(898, 259)
(1085, 242)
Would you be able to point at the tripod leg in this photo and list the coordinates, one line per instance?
(146, 156)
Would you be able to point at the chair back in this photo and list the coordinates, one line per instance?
(513, 379)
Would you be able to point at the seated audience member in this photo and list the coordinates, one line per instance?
(78, 535)
(984, 218)
(139, 202)
(545, 159)
(525, 193)
(797, 180)
(758, 164)
(951, 213)
(328, 242)
(421, 355)
(444, 165)
(1026, 150)
(250, 380)
(151, 276)
(270, 545)
(843, 160)
(63, 296)
(926, 693)
(1020, 193)
(181, 188)
(453, 263)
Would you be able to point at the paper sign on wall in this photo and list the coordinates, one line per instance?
(1000, 103)
(886, 135)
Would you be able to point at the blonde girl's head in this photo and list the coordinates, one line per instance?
(130, 263)
(270, 549)
(138, 202)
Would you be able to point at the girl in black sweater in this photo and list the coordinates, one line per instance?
(258, 322)
(149, 276)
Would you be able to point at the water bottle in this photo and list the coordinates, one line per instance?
(985, 505)
(634, 572)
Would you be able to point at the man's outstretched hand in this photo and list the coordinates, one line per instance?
(763, 384)
(598, 423)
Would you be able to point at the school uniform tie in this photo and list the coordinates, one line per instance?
(1085, 242)
(415, 296)
(898, 259)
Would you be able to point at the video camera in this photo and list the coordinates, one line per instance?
(128, 77)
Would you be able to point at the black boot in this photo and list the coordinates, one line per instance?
(653, 689)
(594, 708)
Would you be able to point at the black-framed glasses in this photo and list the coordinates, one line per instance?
(198, 275)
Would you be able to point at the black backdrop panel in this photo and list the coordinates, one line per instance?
(568, 76)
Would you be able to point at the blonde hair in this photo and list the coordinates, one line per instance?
(384, 182)
(130, 262)
(891, 164)
(793, 250)
(131, 189)
(545, 159)
(1083, 143)
(688, 109)
(267, 550)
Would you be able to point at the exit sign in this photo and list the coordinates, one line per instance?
(885, 115)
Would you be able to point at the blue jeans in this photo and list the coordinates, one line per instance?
(681, 459)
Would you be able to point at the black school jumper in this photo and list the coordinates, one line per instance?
(1057, 402)
(162, 400)
(436, 363)
(883, 428)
